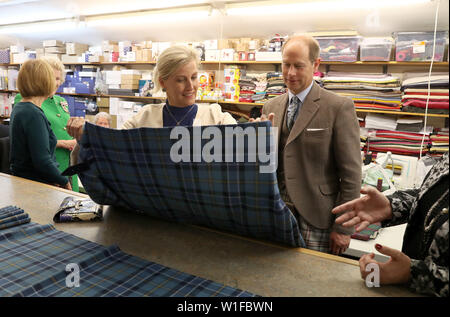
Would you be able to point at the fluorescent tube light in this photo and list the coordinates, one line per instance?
(309, 6)
(38, 27)
(159, 16)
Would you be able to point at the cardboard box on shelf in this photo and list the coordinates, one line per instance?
(103, 102)
(231, 76)
(127, 86)
(130, 81)
(17, 49)
(56, 55)
(212, 55)
(211, 44)
(76, 48)
(49, 43)
(227, 55)
(112, 77)
(242, 47)
(96, 59)
(223, 44)
(55, 49)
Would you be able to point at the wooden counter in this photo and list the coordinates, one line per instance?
(260, 267)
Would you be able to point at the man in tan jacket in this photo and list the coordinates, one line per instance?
(319, 165)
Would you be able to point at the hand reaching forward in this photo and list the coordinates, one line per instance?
(363, 211)
(75, 127)
(263, 117)
(397, 270)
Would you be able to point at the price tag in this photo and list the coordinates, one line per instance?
(419, 47)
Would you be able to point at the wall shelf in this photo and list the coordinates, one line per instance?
(389, 63)
(256, 104)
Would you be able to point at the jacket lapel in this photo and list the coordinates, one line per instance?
(280, 108)
(307, 112)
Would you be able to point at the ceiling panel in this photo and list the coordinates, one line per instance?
(368, 22)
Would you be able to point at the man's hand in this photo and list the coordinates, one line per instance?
(75, 127)
(361, 212)
(397, 270)
(263, 117)
(339, 242)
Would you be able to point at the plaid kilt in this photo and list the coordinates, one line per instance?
(315, 238)
(133, 169)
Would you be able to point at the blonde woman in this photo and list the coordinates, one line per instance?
(33, 142)
(57, 112)
(176, 73)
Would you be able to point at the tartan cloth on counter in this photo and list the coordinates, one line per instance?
(33, 263)
(132, 168)
(12, 216)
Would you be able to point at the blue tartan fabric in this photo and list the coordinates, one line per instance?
(12, 216)
(33, 262)
(133, 168)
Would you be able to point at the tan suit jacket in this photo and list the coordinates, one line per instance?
(321, 159)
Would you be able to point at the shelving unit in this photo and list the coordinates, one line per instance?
(238, 106)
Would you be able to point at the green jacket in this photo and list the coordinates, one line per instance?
(33, 145)
(56, 110)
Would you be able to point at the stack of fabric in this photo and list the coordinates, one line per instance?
(415, 93)
(247, 89)
(275, 85)
(368, 91)
(397, 142)
(439, 142)
(34, 259)
(260, 81)
(12, 216)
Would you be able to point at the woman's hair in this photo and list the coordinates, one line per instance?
(102, 115)
(54, 63)
(36, 79)
(170, 60)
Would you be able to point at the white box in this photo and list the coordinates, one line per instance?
(16, 49)
(55, 49)
(87, 74)
(69, 90)
(212, 55)
(69, 59)
(130, 72)
(113, 77)
(113, 86)
(211, 44)
(268, 56)
(131, 56)
(227, 54)
(114, 106)
(52, 43)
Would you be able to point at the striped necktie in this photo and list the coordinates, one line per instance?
(292, 111)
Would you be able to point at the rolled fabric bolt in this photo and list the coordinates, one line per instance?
(380, 184)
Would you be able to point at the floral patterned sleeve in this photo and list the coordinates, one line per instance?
(430, 276)
(401, 203)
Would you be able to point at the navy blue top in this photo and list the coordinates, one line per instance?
(185, 114)
(33, 145)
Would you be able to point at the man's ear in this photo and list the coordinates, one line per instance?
(316, 64)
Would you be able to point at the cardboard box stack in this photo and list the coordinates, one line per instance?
(129, 79)
(231, 84)
(54, 48)
(74, 51)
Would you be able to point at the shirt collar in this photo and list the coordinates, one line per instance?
(302, 94)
